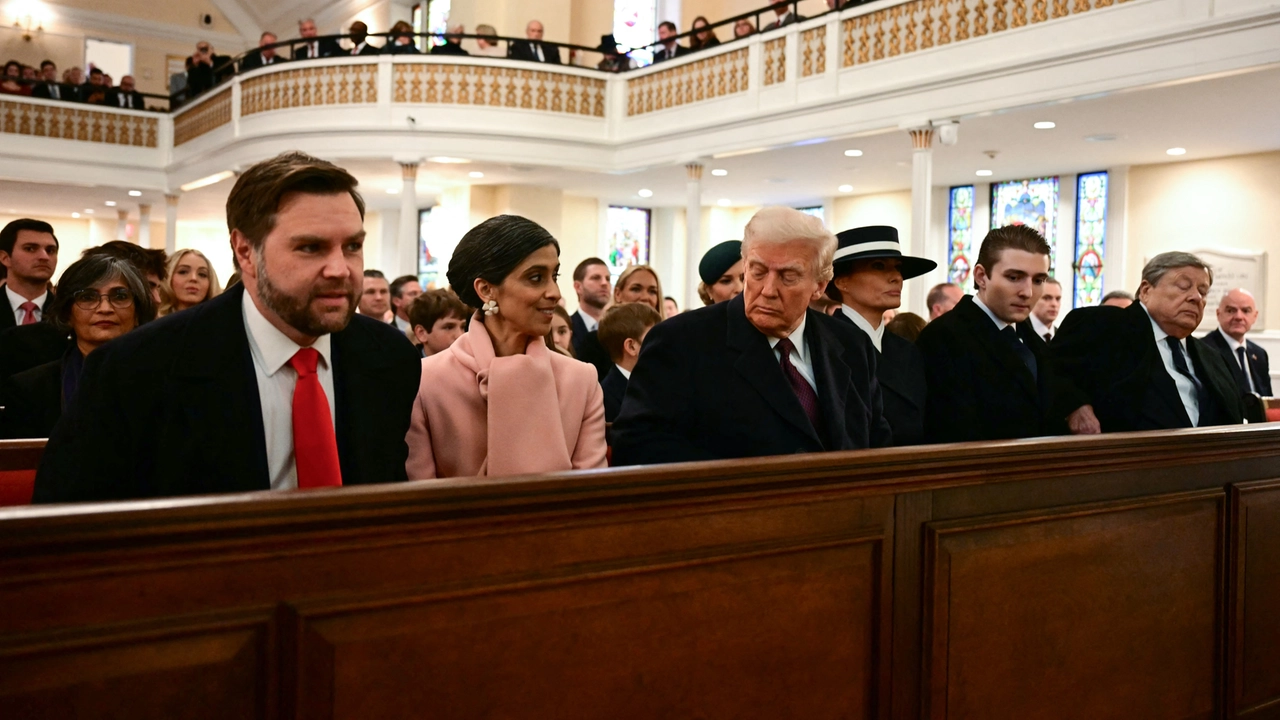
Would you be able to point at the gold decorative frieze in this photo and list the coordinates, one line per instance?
(921, 24)
(775, 61)
(208, 115)
(503, 87)
(75, 122)
(310, 86)
(717, 76)
(813, 52)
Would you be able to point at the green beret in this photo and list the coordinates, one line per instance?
(718, 260)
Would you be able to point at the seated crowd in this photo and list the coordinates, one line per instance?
(311, 371)
(70, 86)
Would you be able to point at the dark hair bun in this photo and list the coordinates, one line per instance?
(491, 250)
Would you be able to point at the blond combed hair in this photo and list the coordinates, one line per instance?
(783, 224)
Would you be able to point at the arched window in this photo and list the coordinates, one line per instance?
(635, 24)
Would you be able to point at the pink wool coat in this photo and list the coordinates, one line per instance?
(477, 414)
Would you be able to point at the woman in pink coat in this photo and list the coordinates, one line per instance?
(498, 402)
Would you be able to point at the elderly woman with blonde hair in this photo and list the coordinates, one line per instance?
(191, 281)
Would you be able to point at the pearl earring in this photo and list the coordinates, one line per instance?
(490, 307)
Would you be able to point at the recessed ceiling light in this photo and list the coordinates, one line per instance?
(983, 173)
(448, 160)
(475, 174)
(75, 215)
(135, 193)
(1176, 151)
(1102, 137)
(1045, 125)
(645, 193)
(110, 203)
(853, 153)
(724, 202)
(845, 188)
(88, 211)
(206, 181)
(718, 172)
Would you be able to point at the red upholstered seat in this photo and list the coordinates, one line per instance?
(16, 486)
(1273, 414)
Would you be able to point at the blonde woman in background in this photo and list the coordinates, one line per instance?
(191, 281)
(639, 283)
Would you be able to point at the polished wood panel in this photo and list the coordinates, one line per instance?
(1115, 576)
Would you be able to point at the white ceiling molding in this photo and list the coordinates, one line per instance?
(338, 12)
(241, 18)
(90, 20)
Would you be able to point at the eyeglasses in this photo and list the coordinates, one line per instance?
(119, 298)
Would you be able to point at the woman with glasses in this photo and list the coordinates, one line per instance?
(99, 299)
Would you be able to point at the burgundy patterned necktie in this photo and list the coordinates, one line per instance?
(804, 392)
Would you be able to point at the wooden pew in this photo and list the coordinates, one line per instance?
(1122, 576)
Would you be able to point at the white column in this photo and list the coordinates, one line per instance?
(921, 203)
(144, 225)
(171, 223)
(1115, 271)
(122, 224)
(693, 232)
(407, 239)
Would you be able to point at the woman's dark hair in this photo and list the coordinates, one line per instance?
(91, 271)
(491, 250)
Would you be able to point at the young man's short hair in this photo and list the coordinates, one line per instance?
(580, 272)
(1010, 237)
(9, 235)
(628, 321)
(375, 274)
(397, 285)
(255, 198)
(433, 305)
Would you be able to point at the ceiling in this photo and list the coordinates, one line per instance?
(1210, 117)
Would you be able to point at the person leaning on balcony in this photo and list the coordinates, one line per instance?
(498, 401)
(613, 60)
(126, 96)
(48, 87)
(743, 28)
(205, 68)
(703, 36)
(314, 48)
(360, 45)
(452, 44)
(263, 56)
(12, 83)
(669, 46)
(486, 47)
(402, 41)
(534, 49)
(785, 10)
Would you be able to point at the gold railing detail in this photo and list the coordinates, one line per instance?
(69, 122)
(724, 74)
(209, 115)
(813, 52)
(775, 61)
(498, 87)
(307, 87)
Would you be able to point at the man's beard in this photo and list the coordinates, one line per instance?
(297, 313)
(595, 302)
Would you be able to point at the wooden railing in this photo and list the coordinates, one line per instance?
(1122, 576)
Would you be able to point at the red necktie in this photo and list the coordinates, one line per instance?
(30, 309)
(804, 392)
(315, 448)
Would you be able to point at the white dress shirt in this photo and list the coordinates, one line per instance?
(1186, 388)
(1042, 329)
(272, 351)
(876, 334)
(625, 372)
(1000, 324)
(402, 325)
(1235, 357)
(591, 323)
(16, 301)
(801, 358)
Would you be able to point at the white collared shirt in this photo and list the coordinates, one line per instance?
(1000, 324)
(625, 372)
(876, 334)
(16, 301)
(1042, 329)
(800, 356)
(401, 325)
(272, 351)
(1235, 356)
(356, 50)
(1186, 388)
(591, 323)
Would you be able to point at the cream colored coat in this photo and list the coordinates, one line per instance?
(477, 414)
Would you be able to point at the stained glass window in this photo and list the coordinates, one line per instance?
(1028, 202)
(635, 24)
(431, 269)
(1091, 237)
(960, 234)
(627, 232)
(437, 21)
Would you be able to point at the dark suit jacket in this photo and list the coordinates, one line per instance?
(328, 47)
(900, 370)
(615, 388)
(709, 386)
(1109, 357)
(70, 93)
(32, 402)
(1259, 363)
(368, 49)
(135, 100)
(662, 54)
(523, 50)
(587, 347)
(26, 346)
(172, 408)
(254, 60)
(789, 19)
(7, 319)
(448, 48)
(979, 389)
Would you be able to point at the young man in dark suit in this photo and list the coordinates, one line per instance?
(1249, 363)
(534, 49)
(869, 272)
(669, 48)
(275, 384)
(760, 374)
(50, 88)
(1139, 368)
(29, 254)
(989, 374)
(592, 285)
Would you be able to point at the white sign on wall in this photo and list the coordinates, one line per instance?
(1234, 269)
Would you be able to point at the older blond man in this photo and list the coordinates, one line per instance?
(760, 374)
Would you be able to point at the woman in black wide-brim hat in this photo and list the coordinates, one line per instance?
(869, 273)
